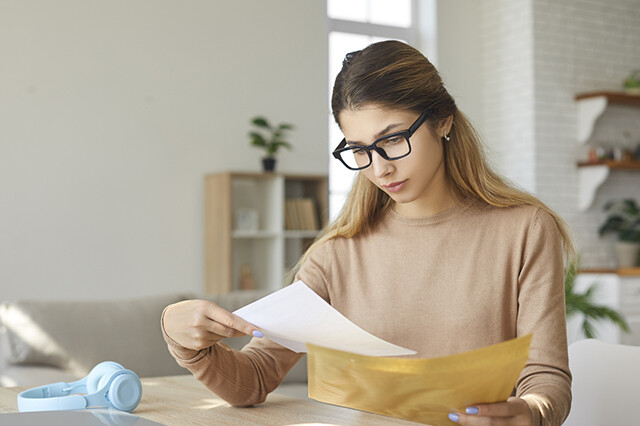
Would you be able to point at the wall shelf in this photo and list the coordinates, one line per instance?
(591, 106)
(635, 271)
(615, 165)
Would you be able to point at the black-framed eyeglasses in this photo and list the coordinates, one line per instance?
(393, 146)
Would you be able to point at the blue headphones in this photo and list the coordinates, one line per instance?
(108, 385)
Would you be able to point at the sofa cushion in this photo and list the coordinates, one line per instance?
(76, 335)
(33, 375)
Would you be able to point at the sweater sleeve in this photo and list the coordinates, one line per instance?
(545, 382)
(244, 378)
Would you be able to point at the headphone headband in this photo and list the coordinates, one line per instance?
(108, 385)
(51, 397)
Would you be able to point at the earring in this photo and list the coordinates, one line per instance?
(446, 136)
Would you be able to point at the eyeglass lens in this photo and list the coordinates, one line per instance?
(357, 157)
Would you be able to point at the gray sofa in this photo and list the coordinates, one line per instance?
(50, 341)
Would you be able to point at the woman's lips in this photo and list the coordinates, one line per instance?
(394, 186)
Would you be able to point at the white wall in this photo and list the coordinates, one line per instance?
(111, 113)
(508, 87)
(459, 57)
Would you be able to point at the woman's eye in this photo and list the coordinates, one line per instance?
(393, 141)
(359, 151)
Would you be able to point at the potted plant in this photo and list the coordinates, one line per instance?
(624, 220)
(632, 83)
(270, 138)
(583, 303)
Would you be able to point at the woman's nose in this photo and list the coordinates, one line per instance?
(379, 165)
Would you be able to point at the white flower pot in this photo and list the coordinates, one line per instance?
(627, 254)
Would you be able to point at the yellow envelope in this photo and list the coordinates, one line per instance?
(422, 390)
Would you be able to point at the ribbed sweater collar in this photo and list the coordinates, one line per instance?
(444, 216)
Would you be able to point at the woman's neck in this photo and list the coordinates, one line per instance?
(430, 204)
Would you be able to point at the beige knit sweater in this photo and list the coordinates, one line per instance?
(469, 277)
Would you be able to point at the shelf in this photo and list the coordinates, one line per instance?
(273, 234)
(626, 272)
(300, 234)
(254, 234)
(622, 98)
(589, 180)
(617, 165)
(592, 175)
(591, 106)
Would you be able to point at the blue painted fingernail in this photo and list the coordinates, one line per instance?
(471, 410)
(453, 417)
(257, 333)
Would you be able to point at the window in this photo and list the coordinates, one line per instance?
(353, 25)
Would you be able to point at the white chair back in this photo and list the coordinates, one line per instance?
(606, 384)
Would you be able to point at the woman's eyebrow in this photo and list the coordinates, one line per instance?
(379, 134)
(387, 130)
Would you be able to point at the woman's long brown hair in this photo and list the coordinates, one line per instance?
(394, 75)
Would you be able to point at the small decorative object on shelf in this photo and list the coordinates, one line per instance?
(632, 83)
(246, 220)
(624, 220)
(247, 281)
(271, 139)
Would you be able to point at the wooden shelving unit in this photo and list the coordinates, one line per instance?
(269, 249)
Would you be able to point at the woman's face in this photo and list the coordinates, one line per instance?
(417, 182)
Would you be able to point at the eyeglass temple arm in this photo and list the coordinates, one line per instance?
(419, 121)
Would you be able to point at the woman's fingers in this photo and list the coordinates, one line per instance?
(199, 324)
(226, 324)
(514, 411)
(498, 409)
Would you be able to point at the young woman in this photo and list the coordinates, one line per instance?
(433, 251)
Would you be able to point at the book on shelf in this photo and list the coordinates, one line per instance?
(300, 214)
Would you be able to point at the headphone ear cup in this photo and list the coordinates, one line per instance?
(125, 389)
(98, 372)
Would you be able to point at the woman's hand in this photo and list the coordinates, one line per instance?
(199, 324)
(515, 411)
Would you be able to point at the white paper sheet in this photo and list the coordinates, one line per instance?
(296, 315)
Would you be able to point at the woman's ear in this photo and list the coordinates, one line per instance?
(445, 126)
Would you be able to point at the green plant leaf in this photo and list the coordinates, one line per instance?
(281, 144)
(588, 329)
(274, 140)
(630, 208)
(585, 304)
(257, 139)
(261, 122)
